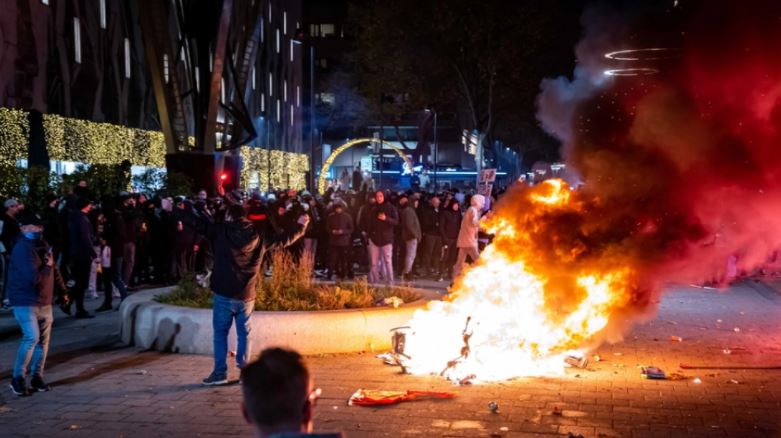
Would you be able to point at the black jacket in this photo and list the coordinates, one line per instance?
(238, 253)
(82, 236)
(10, 231)
(429, 220)
(450, 224)
(381, 232)
(339, 221)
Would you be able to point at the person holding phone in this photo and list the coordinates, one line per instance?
(32, 279)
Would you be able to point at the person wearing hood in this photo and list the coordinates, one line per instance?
(340, 228)
(467, 236)
(238, 256)
(32, 279)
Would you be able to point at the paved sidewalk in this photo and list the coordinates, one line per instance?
(126, 392)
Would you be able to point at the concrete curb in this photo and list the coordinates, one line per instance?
(148, 324)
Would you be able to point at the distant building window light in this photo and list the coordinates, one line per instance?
(291, 50)
(284, 22)
(314, 30)
(327, 98)
(262, 32)
(77, 40)
(292, 115)
(277, 40)
(197, 80)
(222, 89)
(254, 78)
(298, 95)
(269, 12)
(211, 60)
(327, 30)
(263, 103)
(271, 85)
(279, 110)
(127, 58)
(102, 14)
(165, 67)
(284, 90)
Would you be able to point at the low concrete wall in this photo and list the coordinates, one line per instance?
(163, 327)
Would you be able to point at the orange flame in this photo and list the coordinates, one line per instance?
(534, 297)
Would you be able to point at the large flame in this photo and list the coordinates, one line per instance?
(521, 310)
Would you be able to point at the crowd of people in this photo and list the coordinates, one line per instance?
(119, 243)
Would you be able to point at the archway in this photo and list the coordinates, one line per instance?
(322, 181)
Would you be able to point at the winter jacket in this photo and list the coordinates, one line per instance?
(450, 224)
(30, 281)
(410, 226)
(81, 236)
(429, 220)
(339, 221)
(470, 225)
(238, 254)
(381, 232)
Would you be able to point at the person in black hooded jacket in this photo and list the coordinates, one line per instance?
(238, 255)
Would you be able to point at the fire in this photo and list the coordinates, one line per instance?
(526, 304)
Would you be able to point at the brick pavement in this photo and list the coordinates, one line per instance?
(126, 392)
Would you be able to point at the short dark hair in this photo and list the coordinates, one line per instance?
(275, 387)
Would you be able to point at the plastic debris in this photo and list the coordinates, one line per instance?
(393, 301)
(370, 397)
(388, 358)
(596, 358)
(697, 381)
(493, 407)
(718, 321)
(676, 339)
(736, 330)
(726, 351)
(733, 381)
(618, 354)
(74, 427)
(652, 373)
(142, 372)
(504, 429)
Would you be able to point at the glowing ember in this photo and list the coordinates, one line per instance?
(520, 311)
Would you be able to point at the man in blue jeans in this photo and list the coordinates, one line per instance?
(238, 255)
(32, 277)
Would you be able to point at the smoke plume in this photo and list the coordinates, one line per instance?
(681, 159)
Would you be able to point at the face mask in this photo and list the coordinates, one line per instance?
(32, 235)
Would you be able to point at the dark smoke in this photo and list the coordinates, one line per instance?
(683, 166)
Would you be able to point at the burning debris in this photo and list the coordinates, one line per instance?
(680, 174)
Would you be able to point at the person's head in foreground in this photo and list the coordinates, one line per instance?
(278, 394)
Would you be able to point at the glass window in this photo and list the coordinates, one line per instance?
(327, 30)
(127, 58)
(77, 40)
(165, 67)
(102, 4)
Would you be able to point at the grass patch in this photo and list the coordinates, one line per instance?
(291, 288)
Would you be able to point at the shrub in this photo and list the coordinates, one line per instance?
(291, 288)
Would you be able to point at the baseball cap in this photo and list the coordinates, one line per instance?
(10, 202)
